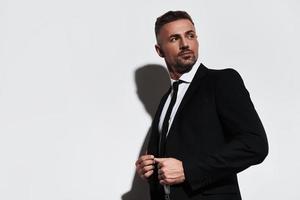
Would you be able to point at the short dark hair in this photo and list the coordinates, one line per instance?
(170, 16)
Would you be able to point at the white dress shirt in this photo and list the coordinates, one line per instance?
(182, 88)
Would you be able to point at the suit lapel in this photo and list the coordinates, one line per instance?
(189, 93)
(154, 137)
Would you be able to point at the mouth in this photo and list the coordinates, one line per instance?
(185, 53)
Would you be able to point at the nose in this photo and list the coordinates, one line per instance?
(184, 44)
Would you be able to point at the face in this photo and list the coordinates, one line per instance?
(177, 43)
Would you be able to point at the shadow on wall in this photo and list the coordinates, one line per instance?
(152, 81)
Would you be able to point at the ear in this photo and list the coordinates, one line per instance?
(159, 51)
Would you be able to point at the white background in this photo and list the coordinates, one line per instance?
(72, 122)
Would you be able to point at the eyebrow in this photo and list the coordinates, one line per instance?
(190, 31)
(174, 35)
(177, 35)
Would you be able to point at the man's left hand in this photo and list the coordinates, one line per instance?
(170, 171)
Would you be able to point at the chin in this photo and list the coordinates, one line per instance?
(185, 68)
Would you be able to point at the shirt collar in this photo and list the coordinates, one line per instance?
(188, 77)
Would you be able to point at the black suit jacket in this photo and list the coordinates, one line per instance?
(216, 133)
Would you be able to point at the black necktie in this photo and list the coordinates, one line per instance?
(165, 125)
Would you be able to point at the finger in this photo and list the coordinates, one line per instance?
(141, 169)
(146, 163)
(161, 171)
(159, 160)
(167, 182)
(162, 182)
(161, 177)
(148, 168)
(146, 157)
(143, 158)
(148, 174)
(161, 165)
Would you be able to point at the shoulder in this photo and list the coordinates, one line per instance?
(224, 76)
(226, 80)
(227, 73)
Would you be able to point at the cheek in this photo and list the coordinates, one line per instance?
(170, 52)
(195, 48)
(171, 56)
(195, 45)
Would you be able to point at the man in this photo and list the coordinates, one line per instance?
(206, 129)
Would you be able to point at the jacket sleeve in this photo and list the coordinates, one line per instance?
(248, 144)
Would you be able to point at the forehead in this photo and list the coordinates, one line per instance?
(177, 27)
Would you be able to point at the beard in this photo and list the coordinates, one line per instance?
(184, 63)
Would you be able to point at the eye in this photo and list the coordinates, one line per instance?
(173, 39)
(191, 35)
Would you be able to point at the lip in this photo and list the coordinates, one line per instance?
(184, 53)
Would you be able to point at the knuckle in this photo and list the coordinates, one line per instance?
(142, 158)
(146, 162)
(142, 164)
(145, 169)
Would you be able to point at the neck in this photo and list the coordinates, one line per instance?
(175, 75)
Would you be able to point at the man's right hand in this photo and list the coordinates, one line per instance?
(145, 166)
